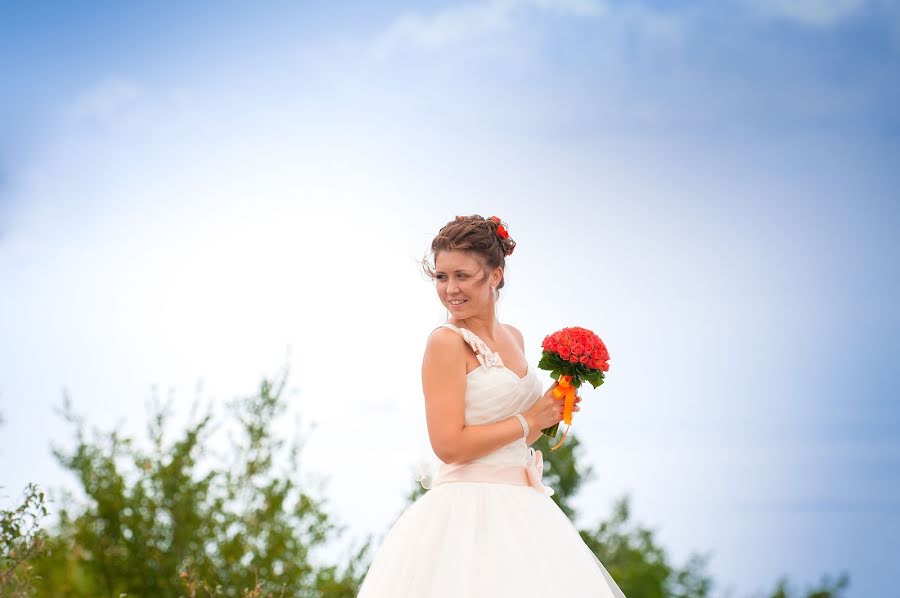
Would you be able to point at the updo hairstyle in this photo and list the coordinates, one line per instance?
(478, 236)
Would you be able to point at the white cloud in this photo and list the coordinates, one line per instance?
(462, 22)
(587, 8)
(813, 13)
(108, 98)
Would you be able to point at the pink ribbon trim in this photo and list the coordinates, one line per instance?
(472, 471)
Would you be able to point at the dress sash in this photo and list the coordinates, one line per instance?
(529, 474)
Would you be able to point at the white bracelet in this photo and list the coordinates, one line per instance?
(524, 426)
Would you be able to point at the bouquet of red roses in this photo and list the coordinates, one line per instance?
(573, 355)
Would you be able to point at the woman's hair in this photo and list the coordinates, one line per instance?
(486, 238)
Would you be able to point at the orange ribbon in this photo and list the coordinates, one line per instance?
(567, 391)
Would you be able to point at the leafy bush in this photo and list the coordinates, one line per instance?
(21, 541)
(173, 520)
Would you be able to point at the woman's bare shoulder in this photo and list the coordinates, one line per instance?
(442, 334)
(443, 340)
(444, 352)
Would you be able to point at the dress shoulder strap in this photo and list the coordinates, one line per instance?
(483, 353)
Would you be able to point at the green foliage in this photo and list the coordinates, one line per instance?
(21, 541)
(639, 564)
(176, 520)
(564, 471)
(172, 520)
(557, 366)
(826, 588)
(630, 553)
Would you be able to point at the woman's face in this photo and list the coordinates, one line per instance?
(462, 285)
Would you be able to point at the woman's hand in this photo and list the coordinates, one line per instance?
(548, 410)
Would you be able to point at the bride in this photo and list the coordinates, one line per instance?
(487, 526)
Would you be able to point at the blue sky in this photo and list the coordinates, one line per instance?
(728, 170)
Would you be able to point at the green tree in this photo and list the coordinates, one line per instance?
(175, 519)
(630, 552)
(825, 588)
(21, 541)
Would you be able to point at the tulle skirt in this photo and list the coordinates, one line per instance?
(484, 539)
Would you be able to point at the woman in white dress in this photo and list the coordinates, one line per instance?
(487, 527)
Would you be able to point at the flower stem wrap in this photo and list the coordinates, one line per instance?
(565, 391)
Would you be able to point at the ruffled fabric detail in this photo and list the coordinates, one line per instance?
(534, 469)
(483, 353)
(425, 473)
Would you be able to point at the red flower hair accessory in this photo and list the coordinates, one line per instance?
(501, 228)
(503, 234)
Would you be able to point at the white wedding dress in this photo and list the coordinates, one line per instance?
(500, 536)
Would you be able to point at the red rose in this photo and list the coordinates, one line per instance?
(564, 352)
(577, 348)
(583, 359)
(573, 359)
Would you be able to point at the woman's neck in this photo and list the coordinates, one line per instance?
(484, 328)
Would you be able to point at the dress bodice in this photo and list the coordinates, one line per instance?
(494, 392)
(481, 520)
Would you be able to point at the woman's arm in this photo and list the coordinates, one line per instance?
(444, 385)
(533, 435)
